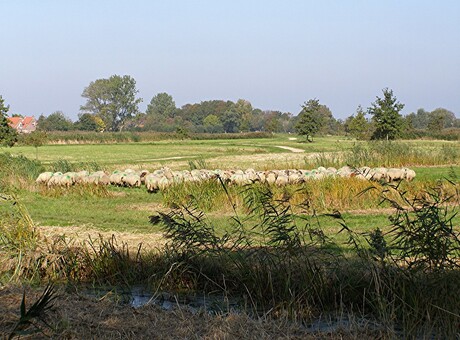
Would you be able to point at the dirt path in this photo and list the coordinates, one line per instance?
(83, 234)
(289, 148)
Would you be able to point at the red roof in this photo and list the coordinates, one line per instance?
(14, 121)
(22, 125)
(27, 120)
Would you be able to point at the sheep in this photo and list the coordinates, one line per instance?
(151, 182)
(163, 183)
(131, 180)
(364, 172)
(409, 174)
(68, 179)
(262, 176)
(394, 174)
(270, 178)
(169, 174)
(345, 171)
(44, 177)
(115, 177)
(99, 178)
(295, 177)
(142, 175)
(332, 170)
(321, 169)
(379, 174)
(319, 175)
(281, 180)
(81, 175)
(239, 178)
(54, 180)
(251, 175)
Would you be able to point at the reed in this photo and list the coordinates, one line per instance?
(387, 154)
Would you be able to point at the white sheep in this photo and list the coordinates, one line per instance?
(409, 174)
(44, 177)
(394, 174)
(55, 179)
(131, 180)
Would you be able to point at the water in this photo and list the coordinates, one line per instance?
(139, 296)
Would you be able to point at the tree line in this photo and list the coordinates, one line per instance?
(112, 104)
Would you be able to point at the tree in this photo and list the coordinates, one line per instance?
(212, 124)
(445, 117)
(419, 120)
(435, 123)
(162, 105)
(358, 126)
(113, 100)
(86, 122)
(231, 121)
(57, 121)
(8, 135)
(310, 119)
(385, 114)
(244, 109)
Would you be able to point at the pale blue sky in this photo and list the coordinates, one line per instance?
(276, 54)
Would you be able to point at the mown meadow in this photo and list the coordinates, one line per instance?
(387, 252)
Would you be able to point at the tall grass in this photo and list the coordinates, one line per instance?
(17, 172)
(320, 196)
(386, 154)
(84, 137)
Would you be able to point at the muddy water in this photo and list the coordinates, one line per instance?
(139, 296)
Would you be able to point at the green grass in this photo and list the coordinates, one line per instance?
(144, 154)
(279, 275)
(176, 153)
(436, 173)
(128, 209)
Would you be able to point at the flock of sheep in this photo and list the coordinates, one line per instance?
(165, 177)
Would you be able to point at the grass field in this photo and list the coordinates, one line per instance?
(288, 257)
(257, 153)
(128, 209)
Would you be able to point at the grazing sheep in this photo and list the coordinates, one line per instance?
(295, 177)
(68, 179)
(151, 182)
(167, 172)
(163, 183)
(332, 170)
(55, 179)
(262, 176)
(345, 171)
(131, 180)
(44, 177)
(409, 174)
(270, 178)
(394, 174)
(163, 178)
(281, 180)
(379, 174)
(81, 175)
(115, 177)
(100, 178)
(142, 174)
